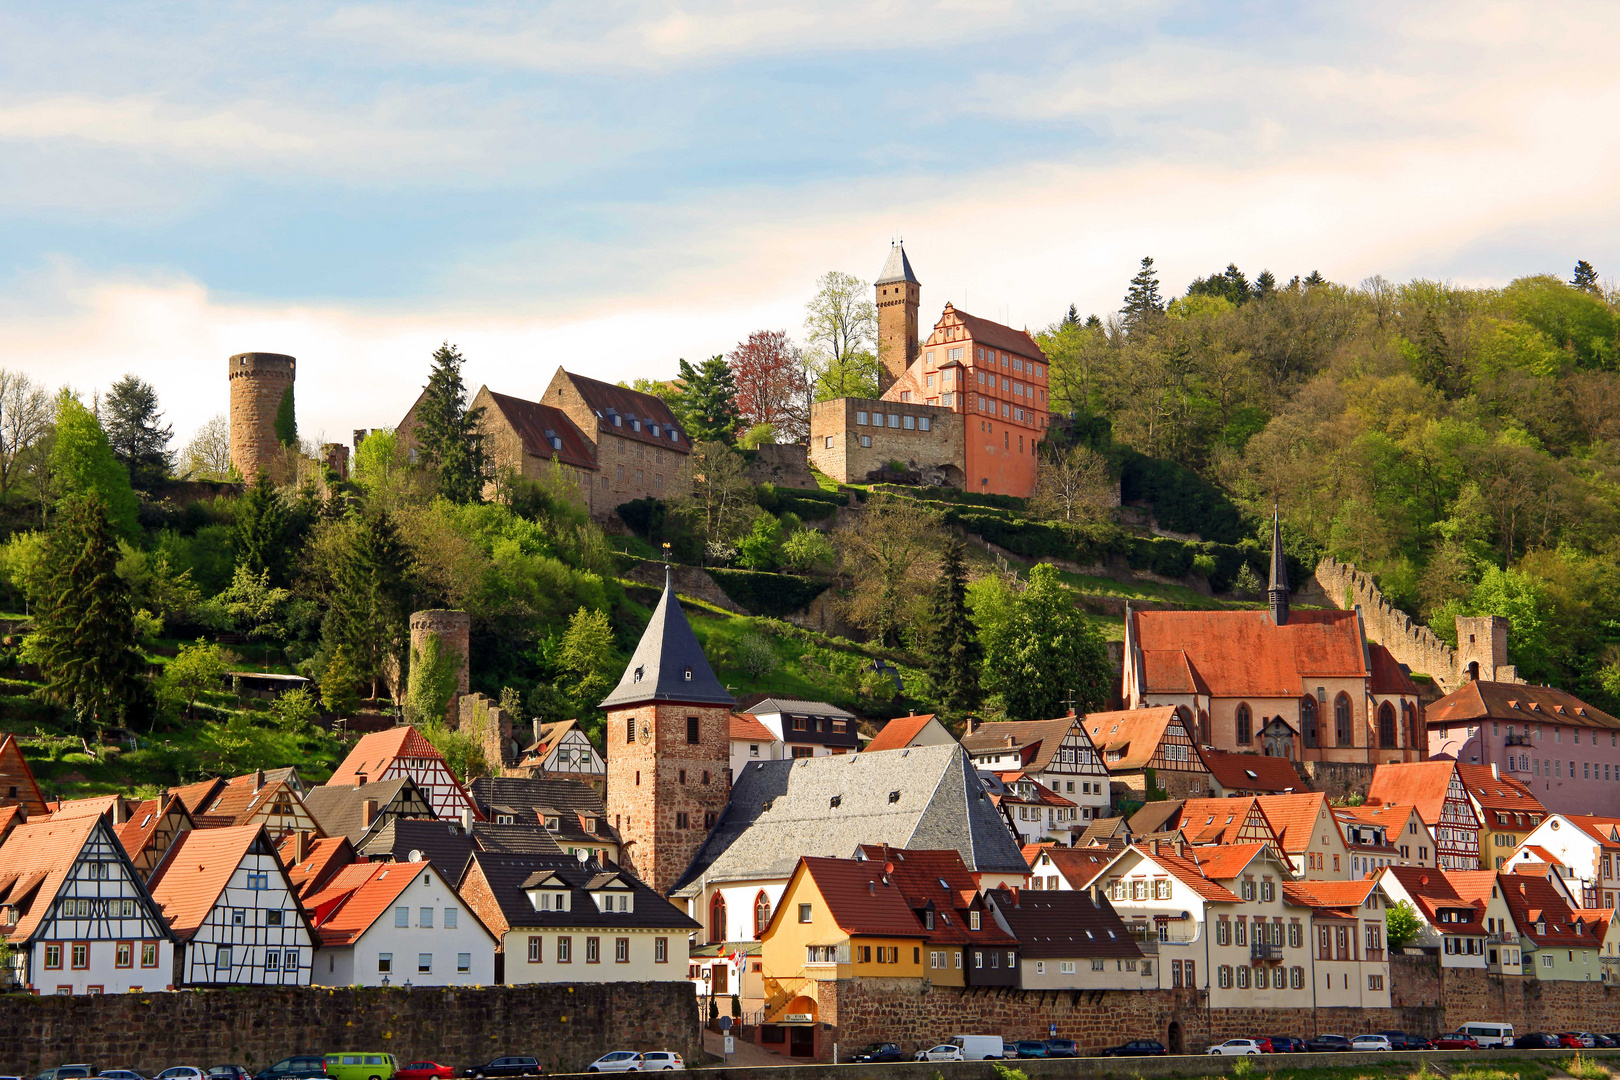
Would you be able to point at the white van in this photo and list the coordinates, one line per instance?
(979, 1047)
(1489, 1035)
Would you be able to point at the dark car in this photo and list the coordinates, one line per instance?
(1029, 1048)
(1062, 1048)
(1604, 1041)
(507, 1066)
(1327, 1044)
(1536, 1040)
(301, 1067)
(1286, 1044)
(1136, 1048)
(1456, 1040)
(877, 1052)
(229, 1072)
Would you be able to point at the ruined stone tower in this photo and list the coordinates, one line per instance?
(898, 293)
(668, 748)
(258, 383)
(454, 630)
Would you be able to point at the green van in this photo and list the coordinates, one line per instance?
(361, 1066)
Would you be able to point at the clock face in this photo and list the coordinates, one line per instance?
(646, 732)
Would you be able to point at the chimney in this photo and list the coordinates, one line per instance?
(466, 819)
(301, 842)
(1011, 742)
(537, 726)
(120, 810)
(973, 723)
(1496, 771)
(258, 779)
(368, 812)
(360, 780)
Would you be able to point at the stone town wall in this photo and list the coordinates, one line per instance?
(1338, 779)
(565, 1026)
(1409, 641)
(787, 465)
(483, 718)
(1424, 1000)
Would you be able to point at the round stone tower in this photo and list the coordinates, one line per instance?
(454, 629)
(258, 383)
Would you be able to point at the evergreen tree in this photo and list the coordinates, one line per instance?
(369, 608)
(448, 437)
(1044, 651)
(262, 531)
(82, 463)
(1093, 323)
(1143, 300)
(1073, 317)
(951, 641)
(1585, 278)
(286, 421)
(85, 641)
(1315, 279)
(136, 433)
(709, 401)
(1265, 285)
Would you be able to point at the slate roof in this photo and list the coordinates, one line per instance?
(1039, 739)
(195, 870)
(442, 843)
(604, 399)
(534, 422)
(1252, 772)
(782, 809)
(1515, 702)
(1422, 784)
(798, 707)
(326, 857)
(897, 267)
(668, 664)
(508, 875)
(1103, 830)
(1136, 733)
(1244, 654)
(377, 750)
(574, 801)
(339, 809)
(515, 839)
(1070, 923)
(898, 733)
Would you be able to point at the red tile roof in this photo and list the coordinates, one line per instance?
(1605, 830)
(194, 872)
(1252, 772)
(1499, 794)
(326, 857)
(1434, 890)
(96, 804)
(1214, 821)
(898, 733)
(1168, 671)
(532, 421)
(995, 335)
(942, 879)
(1536, 902)
(746, 727)
(1422, 784)
(1388, 676)
(1337, 895)
(1294, 817)
(1226, 862)
(1245, 654)
(42, 851)
(136, 833)
(356, 896)
(1136, 733)
(860, 901)
(376, 751)
(1079, 866)
(1519, 702)
(195, 796)
(10, 818)
(1184, 869)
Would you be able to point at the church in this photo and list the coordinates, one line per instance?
(1304, 685)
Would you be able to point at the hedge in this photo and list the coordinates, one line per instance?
(773, 595)
(952, 495)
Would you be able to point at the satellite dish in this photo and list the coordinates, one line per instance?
(582, 855)
(414, 856)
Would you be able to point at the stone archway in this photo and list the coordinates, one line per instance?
(1175, 1038)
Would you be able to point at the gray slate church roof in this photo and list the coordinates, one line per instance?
(923, 798)
(668, 664)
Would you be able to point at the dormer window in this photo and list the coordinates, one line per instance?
(504, 819)
(616, 900)
(635, 424)
(553, 823)
(656, 431)
(549, 899)
(688, 674)
(636, 675)
(928, 920)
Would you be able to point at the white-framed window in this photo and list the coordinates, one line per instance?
(222, 958)
(866, 441)
(1066, 967)
(463, 962)
(926, 423)
(829, 443)
(385, 962)
(861, 416)
(272, 961)
(425, 918)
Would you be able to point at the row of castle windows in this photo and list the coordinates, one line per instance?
(990, 356)
(895, 420)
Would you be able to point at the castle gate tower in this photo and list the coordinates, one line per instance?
(259, 381)
(897, 292)
(668, 748)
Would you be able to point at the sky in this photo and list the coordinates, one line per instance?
(614, 185)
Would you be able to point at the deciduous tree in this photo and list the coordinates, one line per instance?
(208, 455)
(1074, 486)
(886, 552)
(772, 384)
(82, 463)
(840, 327)
(26, 416)
(1043, 651)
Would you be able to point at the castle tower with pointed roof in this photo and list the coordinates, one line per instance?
(898, 294)
(668, 748)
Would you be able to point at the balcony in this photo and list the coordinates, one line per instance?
(1516, 740)
(1264, 950)
(1507, 937)
(1149, 945)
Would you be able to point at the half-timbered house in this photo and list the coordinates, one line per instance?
(17, 787)
(1136, 741)
(259, 798)
(361, 812)
(1057, 754)
(402, 751)
(75, 913)
(1435, 788)
(151, 829)
(563, 749)
(233, 911)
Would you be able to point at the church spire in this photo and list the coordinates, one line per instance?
(668, 664)
(1277, 591)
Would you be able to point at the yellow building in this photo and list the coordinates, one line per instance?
(1506, 809)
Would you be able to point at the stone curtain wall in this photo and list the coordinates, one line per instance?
(1424, 1001)
(566, 1027)
(1409, 641)
(1337, 779)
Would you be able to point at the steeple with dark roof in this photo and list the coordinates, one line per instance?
(898, 268)
(668, 664)
(1277, 591)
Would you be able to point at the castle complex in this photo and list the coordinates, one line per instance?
(967, 407)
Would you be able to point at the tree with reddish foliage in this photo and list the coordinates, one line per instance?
(772, 385)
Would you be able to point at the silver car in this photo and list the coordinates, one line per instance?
(618, 1061)
(942, 1052)
(662, 1061)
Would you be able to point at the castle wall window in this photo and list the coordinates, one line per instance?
(866, 440)
(877, 419)
(911, 423)
(894, 420)
(860, 416)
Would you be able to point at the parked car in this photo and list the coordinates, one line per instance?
(1236, 1048)
(424, 1070)
(1062, 1048)
(300, 1067)
(942, 1052)
(1029, 1048)
(1456, 1040)
(361, 1065)
(1614, 1036)
(1286, 1044)
(68, 1072)
(184, 1072)
(1604, 1042)
(979, 1047)
(506, 1066)
(617, 1061)
(1327, 1043)
(1536, 1040)
(662, 1061)
(1418, 1042)
(229, 1072)
(1489, 1034)
(123, 1074)
(1397, 1039)
(1371, 1042)
(1136, 1048)
(876, 1052)
(1583, 1039)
